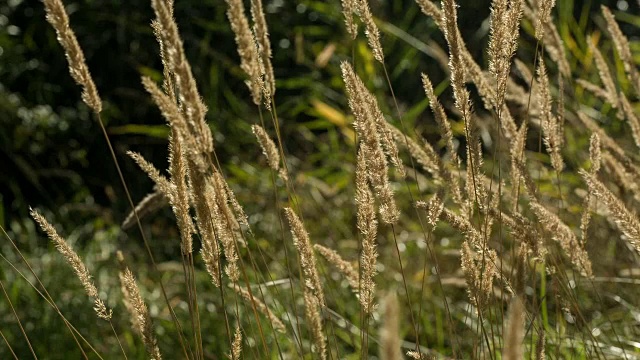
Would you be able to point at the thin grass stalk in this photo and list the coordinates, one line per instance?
(225, 193)
(15, 315)
(442, 171)
(413, 166)
(505, 24)
(237, 21)
(49, 300)
(151, 203)
(178, 168)
(8, 345)
(457, 65)
(48, 297)
(222, 188)
(243, 220)
(262, 307)
(286, 251)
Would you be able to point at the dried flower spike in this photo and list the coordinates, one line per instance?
(58, 18)
(76, 264)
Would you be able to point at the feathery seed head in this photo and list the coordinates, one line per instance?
(249, 297)
(390, 342)
(58, 18)
(343, 266)
(513, 347)
(307, 258)
(595, 154)
(143, 323)
(371, 30)
(269, 150)
(76, 264)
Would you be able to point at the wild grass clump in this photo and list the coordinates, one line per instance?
(495, 239)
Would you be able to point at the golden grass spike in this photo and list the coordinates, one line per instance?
(236, 346)
(606, 141)
(371, 129)
(247, 50)
(312, 313)
(563, 234)
(514, 332)
(270, 151)
(432, 10)
(194, 109)
(543, 16)
(550, 38)
(368, 226)
(371, 30)
(204, 220)
(503, 42)
(622, 47)
(140, 312)
(223, 223)
(163, 184)
(307, 258)
(126, 299)
(479, 269)
(627, 221)
(596, 90)
(180, 202)
(58, 18)
(76, 264)
(441, 117)
(551, 127)
(518, 156)
(595, 153)
(434, 209)
(390, 342)
(168, 83)
(456, 60)
(176, 119)
(632, 118)
(605, 74)
(348, 9)
(264, 45)
(261, 307)
(343, 266)
(595, 157)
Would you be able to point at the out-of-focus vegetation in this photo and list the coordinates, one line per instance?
(53, 155)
